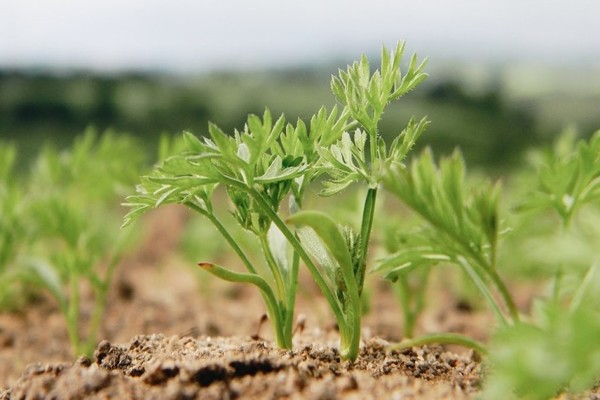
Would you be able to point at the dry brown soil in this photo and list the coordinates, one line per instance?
(169, 333)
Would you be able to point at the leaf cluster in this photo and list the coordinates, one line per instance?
(537, 360)
(271, 157)
(568, 176)
(271, 160)
(463, 220)
(58, 230)
(367, 94)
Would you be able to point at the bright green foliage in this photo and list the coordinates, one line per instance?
(68, 203)
(366, 95)
(534, 359)
(568, 176)
(11, 227)
(557, 352)
(259, 166)
(462, 224)
(9, 204)
(270, 161)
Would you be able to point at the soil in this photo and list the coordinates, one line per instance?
(170, 332)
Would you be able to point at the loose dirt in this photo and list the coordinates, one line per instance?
(172, 332)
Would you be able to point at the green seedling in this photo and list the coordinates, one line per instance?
(534, 358)
(270, 163)
(556, 351)
(568, 177)
(12, 231)
(462, 228)
(71, 200)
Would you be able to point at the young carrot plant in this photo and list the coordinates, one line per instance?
(462, 228)
(568, 177)
(533, 357)
(270, 163)
(12, 229)
(557, 350)
(71, 199)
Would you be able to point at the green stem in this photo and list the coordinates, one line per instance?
(487, 295)
(349, 324)
(365, 234)
(506, 296)
(226, 235)
(273, 267)
(283, 339)
(441, 338)
(279, 316)
(100, 303)
(340, 317)
(295, 243)
(99, 306)
(403, 293)
(483, 265)
(291, 294)
(73, 313)
(579, 295)
(350, 336)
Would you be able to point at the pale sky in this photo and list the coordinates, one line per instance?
(186, 35)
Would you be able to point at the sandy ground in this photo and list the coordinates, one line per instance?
(169, 333)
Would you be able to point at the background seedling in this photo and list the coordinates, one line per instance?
(71, 199)
(532, 357)
(462, 228)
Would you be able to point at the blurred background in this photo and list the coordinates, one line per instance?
(504, 75)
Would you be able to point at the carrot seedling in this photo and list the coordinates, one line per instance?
(270, 161)
(70, 200)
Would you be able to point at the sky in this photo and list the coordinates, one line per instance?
(186, 35)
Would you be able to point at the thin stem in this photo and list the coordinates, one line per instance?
(297, 246)
(487, 295)
(225, 233)
(402, 292)
(283, 329)
(293, 240)
(504, 292)
(100, 303)
(99, 306)
(73, 313)
(288, 321)
(483, 265)
(273, 267)
(579, 295)
(441, 338)
(350, 336)
(365, 234)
